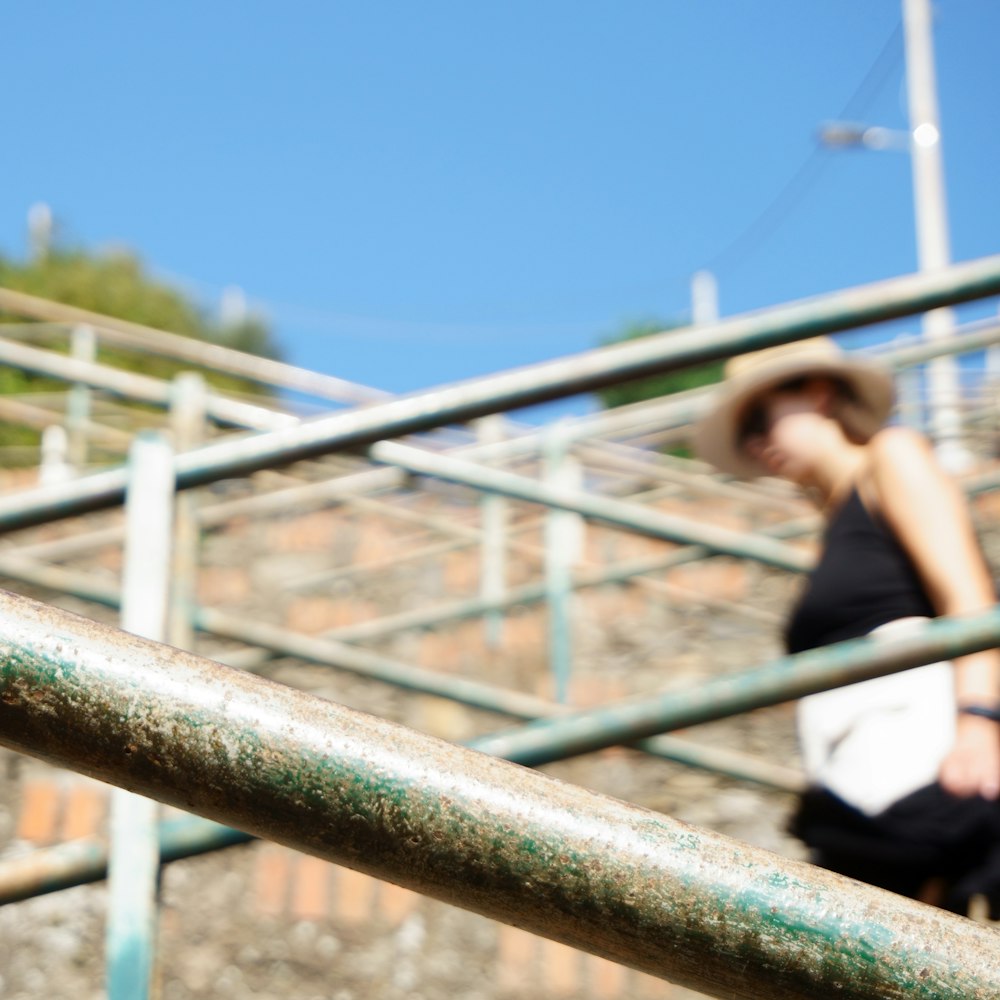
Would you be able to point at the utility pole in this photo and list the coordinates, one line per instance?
(39, 230)
(933, 245)
(704, 298)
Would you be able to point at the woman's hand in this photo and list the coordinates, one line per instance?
(973, 765)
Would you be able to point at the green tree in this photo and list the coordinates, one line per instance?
(656, 385)
(117, 284)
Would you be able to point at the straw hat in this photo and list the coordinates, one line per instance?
(748, 376)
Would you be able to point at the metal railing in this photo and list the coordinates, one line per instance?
(546, 381)
(628, 884)
(622, 882)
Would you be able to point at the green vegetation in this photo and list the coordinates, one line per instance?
(657, 385)
(117, 284)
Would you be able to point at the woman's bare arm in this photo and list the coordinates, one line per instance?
(930, 517)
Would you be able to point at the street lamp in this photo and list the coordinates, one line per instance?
(851, 134)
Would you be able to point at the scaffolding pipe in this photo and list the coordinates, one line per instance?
(133, 864)
(620, 513)
(149, 340)
(323, 650)
(366, 663)
(474, 694)
(971, 337)
(16, 411)
(681, 408)
(563, 536)
(784, 679)
(131, 385)
(533, 592)
(515, 845)
(509, 390)
(85, 860)
(675, 409)
(187, 423)
(83, 347)
(493, 539)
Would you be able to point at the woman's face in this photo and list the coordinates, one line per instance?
(780, 430)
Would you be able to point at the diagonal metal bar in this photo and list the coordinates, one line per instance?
(82, 861)
(534, 592)
(560, 733)
(149, 340)
(85, 860)
(17, 411)
(669, 411)
(522, 387)
(475, 694)
(335, 650)
(784, 679)
(622, 514)
(631, 885)
(132, 385)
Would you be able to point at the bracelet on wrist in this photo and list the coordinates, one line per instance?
(983, 711)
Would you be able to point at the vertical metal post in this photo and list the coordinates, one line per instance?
(991, 376)
(187, 414)
(931, 217)
(563, 538)
(133, 866)
(909, 404)
(54, 467)
(40, 227)
(83, 347)
(704, 298)
(493, 559)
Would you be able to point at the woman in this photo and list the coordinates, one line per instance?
(904, 769)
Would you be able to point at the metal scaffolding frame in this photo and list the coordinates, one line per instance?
(452, 822)
(628, 884)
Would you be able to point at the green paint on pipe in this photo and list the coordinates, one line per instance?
(598, 874)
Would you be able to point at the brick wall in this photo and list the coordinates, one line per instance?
(247, 913)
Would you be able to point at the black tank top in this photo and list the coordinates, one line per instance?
(863, 579)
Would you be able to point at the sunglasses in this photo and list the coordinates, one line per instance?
(756, 421)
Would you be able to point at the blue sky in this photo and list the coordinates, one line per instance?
(416, 193)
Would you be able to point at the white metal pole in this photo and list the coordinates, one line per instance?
(704, 298)
(83, 347)
(133, 866)
(54, 467)
(931, 218)
(187, 418)
(563, 535)
(493, 548)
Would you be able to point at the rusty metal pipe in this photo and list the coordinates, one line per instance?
(631, 885)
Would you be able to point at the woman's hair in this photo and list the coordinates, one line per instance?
(753, 421)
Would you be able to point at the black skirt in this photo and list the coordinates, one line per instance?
(929, 834)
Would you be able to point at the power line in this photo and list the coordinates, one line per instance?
(799, 184)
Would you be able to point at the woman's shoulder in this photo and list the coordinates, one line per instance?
(892, 447)
(902, 469)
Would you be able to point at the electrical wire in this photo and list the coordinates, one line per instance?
(799, 184)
